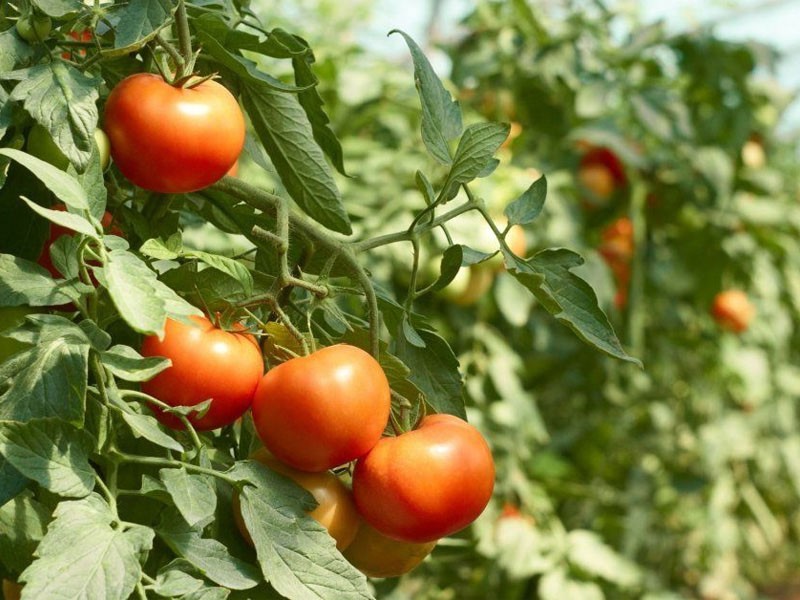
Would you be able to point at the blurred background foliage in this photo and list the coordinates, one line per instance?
(681, 480)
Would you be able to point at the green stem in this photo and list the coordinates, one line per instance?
(636, 325)
(173, 464)
(184, 40)
(171, 50)
(164, 406)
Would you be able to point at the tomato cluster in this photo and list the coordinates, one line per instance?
(324, 410)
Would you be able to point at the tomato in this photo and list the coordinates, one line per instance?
(733, 310)
(41, 145)
(234, 170)
(12, 316)
(617, 244)
(601, 173)
(103, 148)
(376, 555)
(172, 139)
(34, 28)
(207, 362)
(753, 154)
(335, 508)
(11, 590)
(427, 483)
(78, 36)
(469, 285)
(322, 410)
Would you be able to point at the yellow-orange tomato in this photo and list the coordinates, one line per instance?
(733, 310)
(376, 555)
(335, 508)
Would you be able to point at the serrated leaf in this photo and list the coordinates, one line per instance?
(568, 297)
(441, 115)
(83, 557)
(527, 208)
(147, 427)
(65, 187)
(163, 250)
(22, 525)
(228, 266)
(141, 299)
(194, 495)
(25, 283)
(126, 363)
(140, 21)
(284, 130)
(63, 100)
(434, 370)
(52, 453)
(475, 154)
(296, 554)
(209, 556)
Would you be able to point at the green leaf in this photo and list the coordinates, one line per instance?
(65, 187)
(141, 299)
(24, 283)
(52, 453)
(284, 129)
(475, 154)
(83, 556)
(148, 428)
(175, 579)
(63, 100)
(65, 219)
(527, 208)
(50, 379)
(452, 260)
(434, 370)
(209, 556)
(425, 187)
(297, 555)
(557, 585)
(13, 50)
(441, 115)
(228, 266)
(141, 20)
(12, 482)
(717, 168)
(568, 297)
(58, 8)
(588, 552)
(163, 250)
(126, 363)
(22, 526)
(194, 495)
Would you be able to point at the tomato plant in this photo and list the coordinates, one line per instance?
(377, 555)
(427, 483)
(34, 28)
(11, 317)
(208, 363)
(323, 410)
(173, 139)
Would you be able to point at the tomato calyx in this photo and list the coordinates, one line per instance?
(193, 80)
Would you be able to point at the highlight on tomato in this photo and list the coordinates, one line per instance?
(171, 138)
(207, 363)
(427, 483)
(335, 508)
(377, 555)
(733, 310)
(322, 410)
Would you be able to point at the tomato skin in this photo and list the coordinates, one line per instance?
(733, 310)
(12, 316)
(170, 139)
(376, 555)
(320, 411)
(427, 483)
(207, 362)
(335, 509)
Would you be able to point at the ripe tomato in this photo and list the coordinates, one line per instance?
(12, 316)
(733, 310)
(78, 36)
(322, 410)
(601, 173)
(173, 139)
(427, 483)
(335, 508)
(11, 590)
(41, 145)
(376, 555)
(207, 362)
(617, 244)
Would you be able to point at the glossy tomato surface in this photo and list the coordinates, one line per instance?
(377, 555)
(172, 139)
(427, 483)
(335, 509)
(207, 362)
(320, 411)
(733, 310)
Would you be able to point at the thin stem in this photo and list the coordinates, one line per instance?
(172, 464)
(171, 50)
(184, 39)
(412, 286)
(112, 500)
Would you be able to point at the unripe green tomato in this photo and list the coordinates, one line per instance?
(42, 145)
(12, 316)
(34, 28)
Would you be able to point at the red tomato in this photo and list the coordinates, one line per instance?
(78, 36)
(733, 310)
(376, 555)
(427, 483)
(322, 410)
(601, 172)
(335, 509)
(172, 139)
(207, 362)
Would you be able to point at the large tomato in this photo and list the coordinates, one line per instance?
(322, 410)
(173, 139)
(335, 508)
(376, 555)
(733, 310)
(12, 316)
(427, 483)
(207, 362)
